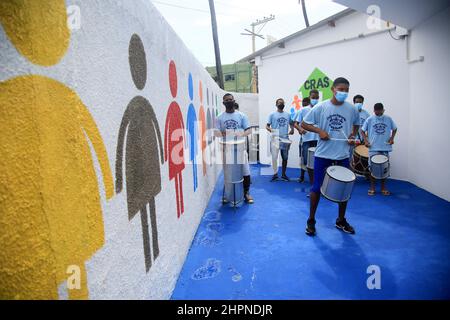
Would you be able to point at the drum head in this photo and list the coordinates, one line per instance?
(379, 159)
(287, 141)
(232, 141)
(341, 174)
(362, 151)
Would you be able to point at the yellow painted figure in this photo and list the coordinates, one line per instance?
(50, 210)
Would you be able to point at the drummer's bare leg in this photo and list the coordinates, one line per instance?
(304, 151)
(342, 209)
(283, 167)
(384, 190)
(311, 176)
(284, 155)
(247, 181)
(372, 186)
(313, 204)
(247, 196)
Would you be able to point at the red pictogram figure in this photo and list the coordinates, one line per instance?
(202, 127)
(174, 138)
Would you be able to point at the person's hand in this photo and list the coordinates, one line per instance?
(367, 144)
(324, 135)
(391, 141)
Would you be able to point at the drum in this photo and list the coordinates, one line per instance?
(379, 166)
(284, 144)
(360, 161)
(233, 162)
(338, 184)
(310, 160)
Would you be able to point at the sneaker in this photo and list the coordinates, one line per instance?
(285, 177)
(248, 198)
(344, 226)
(311, 227)
(274, 177)
(301, 179)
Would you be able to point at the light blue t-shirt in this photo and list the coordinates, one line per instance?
(379, 131)
(280, 121)
(338, 121)
(301, 114)
(363, 116)
(235, 121)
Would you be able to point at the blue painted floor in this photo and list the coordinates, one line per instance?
(261, 250)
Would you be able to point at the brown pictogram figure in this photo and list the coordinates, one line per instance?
(143, 153)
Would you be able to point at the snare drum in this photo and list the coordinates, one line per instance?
(285, 144)
(233, 168)
(338, 184)
(360, 161)
(310, 160)
(379, 166)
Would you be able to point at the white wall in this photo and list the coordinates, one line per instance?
(429, 147)
(375, 66)
(96, 68)
(248, 104)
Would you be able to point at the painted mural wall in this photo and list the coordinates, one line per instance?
(105, 166)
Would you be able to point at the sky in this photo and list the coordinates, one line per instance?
(192, 22)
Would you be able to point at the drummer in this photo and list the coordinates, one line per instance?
(235, 123)
(280, 125)
(379, 131)
(308, 139)
(358, 101)
(336, 122)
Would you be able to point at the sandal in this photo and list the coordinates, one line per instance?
(371, 192)
(385, 192)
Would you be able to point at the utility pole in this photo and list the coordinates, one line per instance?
(216, 44)
(254, 34)
(305, 15)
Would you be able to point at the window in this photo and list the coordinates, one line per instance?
(229, 77)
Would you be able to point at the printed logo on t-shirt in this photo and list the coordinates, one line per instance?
(380, 128)
(231, 124)
(282, 122)
(336, 122)
(362, 120)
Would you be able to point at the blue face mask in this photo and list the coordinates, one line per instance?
(359, 106)
(341, 96)
(314, 102)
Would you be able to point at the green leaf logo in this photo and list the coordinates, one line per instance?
(319, 81)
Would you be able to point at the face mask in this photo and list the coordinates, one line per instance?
(229, 104)
(341, 96)
(314, 102)
(359, 106)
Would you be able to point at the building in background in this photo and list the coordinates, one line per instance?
(397, 55)
(237, 77)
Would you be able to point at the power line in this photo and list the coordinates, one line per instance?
(187, 8)
(238, 7)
